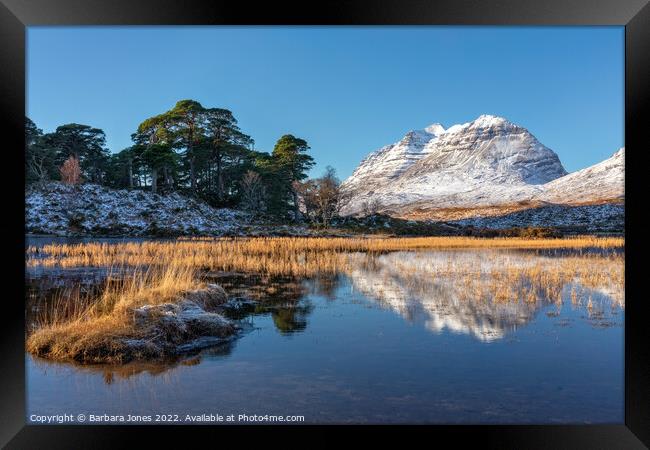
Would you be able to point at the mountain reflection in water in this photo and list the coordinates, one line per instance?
(428, 288)
(424, 336)
(485, 294)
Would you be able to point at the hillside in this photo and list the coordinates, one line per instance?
(600, 183)
(91, 209)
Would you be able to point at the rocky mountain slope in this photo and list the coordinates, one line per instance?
(486, 167)
(391, 161)
(602, 182)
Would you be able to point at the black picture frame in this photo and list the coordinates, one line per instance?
(15, 15)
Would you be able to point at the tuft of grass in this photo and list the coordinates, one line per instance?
(105, 329)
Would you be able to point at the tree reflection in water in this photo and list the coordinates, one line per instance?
(484, 294)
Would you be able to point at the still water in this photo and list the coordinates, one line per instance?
(387, 342)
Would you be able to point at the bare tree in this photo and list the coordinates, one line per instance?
(305, 192)
(370, 207)
(38, 167)
(253, 192)
(71, 171)
(320, 197)
(329, 195)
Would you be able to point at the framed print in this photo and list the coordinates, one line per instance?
(409, 215)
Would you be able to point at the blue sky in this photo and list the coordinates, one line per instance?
(347, 91)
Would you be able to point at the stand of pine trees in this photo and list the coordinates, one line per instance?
(192, 149)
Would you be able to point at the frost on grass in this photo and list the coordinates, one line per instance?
(142, 333)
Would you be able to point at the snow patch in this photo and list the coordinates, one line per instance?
(91, 209)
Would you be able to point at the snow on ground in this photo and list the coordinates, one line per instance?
(602, 181)
(91, 209)
(608, 217)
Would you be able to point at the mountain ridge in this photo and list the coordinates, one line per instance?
(488, 163)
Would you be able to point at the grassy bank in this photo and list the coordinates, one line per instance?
(144, 315)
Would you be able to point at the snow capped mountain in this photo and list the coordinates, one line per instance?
(435, 129)
(392, 160)
(489, 148)
(601, 182)
(480, 165)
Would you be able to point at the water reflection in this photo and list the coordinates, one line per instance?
(483, 294)
(509, 336)
(114, 372)
(446, 291)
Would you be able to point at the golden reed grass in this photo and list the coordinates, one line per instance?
(502, 277)
(93, 328)
(277, 256)
(158, 272)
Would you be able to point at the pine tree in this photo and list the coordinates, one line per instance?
(289, 163)
(39, 160)
(84, 143)
(186, 121)
(160, 159)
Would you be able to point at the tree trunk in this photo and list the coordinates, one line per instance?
(130, 167)
(190, 153)
(154, 180)
(166, 176)
(296, 211)
(219, 179)
(192, 173)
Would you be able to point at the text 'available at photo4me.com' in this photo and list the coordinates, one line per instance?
(206, 418)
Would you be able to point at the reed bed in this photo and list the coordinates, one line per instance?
(498, 277)
(95, 328)
(277, 256)
(547, 281)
